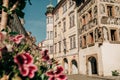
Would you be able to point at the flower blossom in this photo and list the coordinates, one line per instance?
(17, 39)
(45, 56)
(26, 70)
(24, 58)
(56, 74)
(25, 64)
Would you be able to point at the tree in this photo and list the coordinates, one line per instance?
(9, 7)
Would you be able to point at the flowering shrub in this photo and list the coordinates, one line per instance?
(21, 61)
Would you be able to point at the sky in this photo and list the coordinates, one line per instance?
(35, 19)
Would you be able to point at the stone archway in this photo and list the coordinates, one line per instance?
(66, 65)
(74, 67)
(92, 65)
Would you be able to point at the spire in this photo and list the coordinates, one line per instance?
(50, 7)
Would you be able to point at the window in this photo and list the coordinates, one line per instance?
(90, 14)
(64, 7)
(48, 35)
(55, 31)
(72, 42)
(49, 20)
(64, 25)
(91, 38)
(51, 49)
(72, 20)
(84, 41)
(59, 46)
(55, 47)
(70, 3)
(84, 20)
(64, 43)
(113, 35)
(51, 34)
(110, 10)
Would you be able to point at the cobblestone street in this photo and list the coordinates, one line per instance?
(83, 77)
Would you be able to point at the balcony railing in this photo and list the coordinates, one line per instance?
(88, 26)
(110, 20)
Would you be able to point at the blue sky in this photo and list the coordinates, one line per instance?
(35, 19)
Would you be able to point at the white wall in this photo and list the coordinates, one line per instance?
(110, 58)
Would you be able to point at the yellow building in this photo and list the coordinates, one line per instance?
(99, 37)
(87, 36)
(66, 35)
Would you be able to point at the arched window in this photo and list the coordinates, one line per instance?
(74, 67)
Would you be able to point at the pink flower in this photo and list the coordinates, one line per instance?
(32, 70)
(17, 39)
(60, 77)
(59, 70)
(56, 74)
(24, 70)
(28, 70)
(25, 64)
(45, 56)
(24, 58)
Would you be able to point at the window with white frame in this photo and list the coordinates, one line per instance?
(64, 25)
(51, 34)
(55, 47)
(55, 31)
(65, 44)
(59, 46)
(49, 20)
(72, 20)
(51, 49)
(72, 41)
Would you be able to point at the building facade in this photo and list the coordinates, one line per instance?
(99, 37)
(48, 42)
(86, 36)
(66, 35)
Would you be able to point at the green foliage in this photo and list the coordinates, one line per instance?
(18, 10)
(115, 73)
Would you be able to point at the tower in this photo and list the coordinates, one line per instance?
(49, 28)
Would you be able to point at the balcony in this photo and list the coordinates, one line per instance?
(110, 20)
(88, 26)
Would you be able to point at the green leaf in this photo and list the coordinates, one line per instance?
(20, 13)
(13, 33)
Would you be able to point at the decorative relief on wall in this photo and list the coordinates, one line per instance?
(87, 6)
(80, 41)
(95, 11)
(102, 8)
(117, 10)
(110, 20)
(88, 26)
(111, 1)
(105, 33)
(98, 34)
